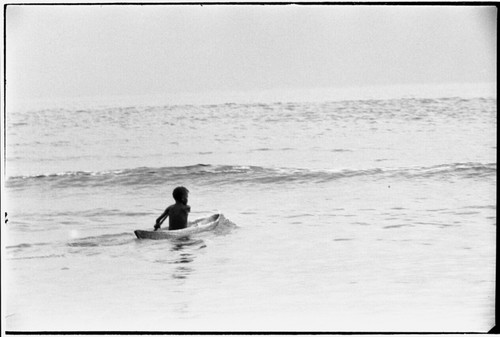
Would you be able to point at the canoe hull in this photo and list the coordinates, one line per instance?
(197, 226)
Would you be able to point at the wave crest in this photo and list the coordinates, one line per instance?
(229, 174)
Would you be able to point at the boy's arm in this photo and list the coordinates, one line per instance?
(161, 218)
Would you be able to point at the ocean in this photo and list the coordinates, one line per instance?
(340, 214)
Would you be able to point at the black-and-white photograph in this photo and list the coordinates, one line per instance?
(249, 167)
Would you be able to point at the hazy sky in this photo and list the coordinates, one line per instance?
(71, 51)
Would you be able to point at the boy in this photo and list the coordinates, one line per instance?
(177, 212)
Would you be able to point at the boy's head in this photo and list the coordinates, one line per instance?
(180, 194)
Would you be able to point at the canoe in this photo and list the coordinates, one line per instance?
(194, 227)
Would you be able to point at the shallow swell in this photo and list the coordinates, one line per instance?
(230, 174)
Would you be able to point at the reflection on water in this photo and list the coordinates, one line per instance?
(185, 258)
(182, 273)
(183, 246)
(180, 243)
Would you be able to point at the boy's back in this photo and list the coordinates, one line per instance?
(178, 212)
(178, 216)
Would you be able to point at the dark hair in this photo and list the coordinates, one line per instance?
(180, 192)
